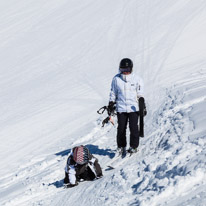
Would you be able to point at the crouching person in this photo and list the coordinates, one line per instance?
(81, 165)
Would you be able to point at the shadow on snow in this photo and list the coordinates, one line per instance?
(94, 149)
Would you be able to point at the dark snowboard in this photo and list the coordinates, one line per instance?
(141, 114)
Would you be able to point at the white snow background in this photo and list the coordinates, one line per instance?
(57, 60)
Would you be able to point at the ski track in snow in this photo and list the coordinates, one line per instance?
(169, 168)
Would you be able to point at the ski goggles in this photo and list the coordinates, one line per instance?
(126, 69)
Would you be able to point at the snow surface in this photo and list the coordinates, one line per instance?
(57, 60)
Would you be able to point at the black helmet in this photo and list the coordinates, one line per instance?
(126, 65)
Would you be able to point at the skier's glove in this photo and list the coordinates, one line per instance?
(145, 111)
(69, 185)
(111, 108)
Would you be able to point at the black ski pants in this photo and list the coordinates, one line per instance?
(123, 119)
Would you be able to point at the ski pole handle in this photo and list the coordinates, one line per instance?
(101, 110)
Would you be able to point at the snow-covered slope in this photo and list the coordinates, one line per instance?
(57, 60)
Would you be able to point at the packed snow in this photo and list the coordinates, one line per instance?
(57, 60)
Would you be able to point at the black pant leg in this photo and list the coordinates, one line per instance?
(122, 119)
(134, 133)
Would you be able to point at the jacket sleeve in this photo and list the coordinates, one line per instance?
(70, 170)
(72, 175)
(95, 167)
(140, 88)
(113, 91)
(98, 169)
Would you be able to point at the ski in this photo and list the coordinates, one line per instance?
(116, 159)
(119, 160)
(141, 114)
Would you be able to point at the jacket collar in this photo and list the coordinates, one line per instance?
(126, 78)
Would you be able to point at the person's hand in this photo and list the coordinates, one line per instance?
(145, 111)
(69, 185)
(111, 108)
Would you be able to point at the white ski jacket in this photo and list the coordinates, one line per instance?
(125, 91)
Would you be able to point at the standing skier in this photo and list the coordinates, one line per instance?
(126, 89)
